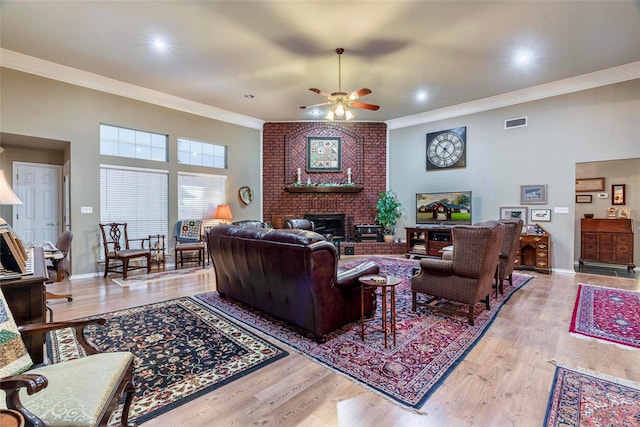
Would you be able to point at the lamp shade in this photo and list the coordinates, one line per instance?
(223, 212)
(7, 196)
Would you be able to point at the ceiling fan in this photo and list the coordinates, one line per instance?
(341, 101)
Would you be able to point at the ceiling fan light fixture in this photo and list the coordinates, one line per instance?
(339, 110)
(348, 114)
(329, 115)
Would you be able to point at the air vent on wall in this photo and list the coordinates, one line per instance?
(515, 123)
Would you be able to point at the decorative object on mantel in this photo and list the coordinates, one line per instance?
(324, 188)
(388, 211)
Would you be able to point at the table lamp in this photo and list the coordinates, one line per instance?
(223, 213)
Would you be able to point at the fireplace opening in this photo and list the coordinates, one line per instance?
(328, 224)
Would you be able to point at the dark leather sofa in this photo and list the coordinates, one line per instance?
(290, 274)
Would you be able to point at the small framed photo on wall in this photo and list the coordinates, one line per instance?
(617, 194)
(540, 215)
(518, 212)
(533, 194)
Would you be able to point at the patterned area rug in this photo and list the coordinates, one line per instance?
(183, 350)
(429, 346)
(583, 398)
(607, 314)
(155, 277)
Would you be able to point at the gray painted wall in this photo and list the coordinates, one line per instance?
(40, 107)
(592, 125)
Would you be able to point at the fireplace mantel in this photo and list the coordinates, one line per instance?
(323, 189)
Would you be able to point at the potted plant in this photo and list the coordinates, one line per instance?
(388, 211)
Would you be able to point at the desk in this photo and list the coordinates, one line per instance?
(388, 282)
(26, 299)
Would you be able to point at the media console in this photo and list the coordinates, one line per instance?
(427, 241)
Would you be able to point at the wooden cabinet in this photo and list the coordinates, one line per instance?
(534, 253)
(26, 299)
(606, 240)
(422, 242)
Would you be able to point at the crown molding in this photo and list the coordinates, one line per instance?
(29, 64)
(609, 76)
(52, 70)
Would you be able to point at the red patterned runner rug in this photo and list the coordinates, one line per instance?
(429, 346)
(584, 398)
(182, 350)
(607, 314)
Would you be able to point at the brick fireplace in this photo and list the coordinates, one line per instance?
(363, 149)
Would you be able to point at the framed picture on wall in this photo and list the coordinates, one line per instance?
(517, 212)
(324, 154)
(589, 184)
(584, 198)
(533, 194)
(540, 215)
(617, 194)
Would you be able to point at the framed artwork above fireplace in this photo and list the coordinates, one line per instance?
(324, 154)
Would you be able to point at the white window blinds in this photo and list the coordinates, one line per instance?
(139, 197)
(200, 194)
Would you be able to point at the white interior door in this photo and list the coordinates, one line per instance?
(38, 187)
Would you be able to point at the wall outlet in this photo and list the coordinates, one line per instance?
(86, 209)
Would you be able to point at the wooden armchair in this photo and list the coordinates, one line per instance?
(465, 278)
(116, 242)
(79, 392)
(189, 245)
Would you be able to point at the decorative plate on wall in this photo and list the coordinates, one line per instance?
(246, 195)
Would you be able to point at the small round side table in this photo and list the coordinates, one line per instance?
(384, 283)
(11, 418)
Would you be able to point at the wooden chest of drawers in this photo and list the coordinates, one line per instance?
(606, 240)
(534, 253)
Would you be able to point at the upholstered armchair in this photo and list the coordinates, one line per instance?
(79, 392)
(465, 278)
(510, 244)
(304, 224)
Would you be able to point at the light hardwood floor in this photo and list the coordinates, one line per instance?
(504, 381)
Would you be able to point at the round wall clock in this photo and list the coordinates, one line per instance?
(447, 149)
(246, 195)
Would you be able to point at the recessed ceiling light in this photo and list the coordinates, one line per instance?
(159, 44)
(422, 95)
(523, 57)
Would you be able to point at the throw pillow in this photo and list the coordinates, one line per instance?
(14, 358)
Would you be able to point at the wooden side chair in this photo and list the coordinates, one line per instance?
(79, 392)
(117, 249)
(189, 244)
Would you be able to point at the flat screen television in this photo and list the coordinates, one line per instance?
(452, 208)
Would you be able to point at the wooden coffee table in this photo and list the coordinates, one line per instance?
(384, 282)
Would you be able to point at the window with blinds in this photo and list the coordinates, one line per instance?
(200, 194)
(139, 197)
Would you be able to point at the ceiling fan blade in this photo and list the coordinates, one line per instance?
(363, 105)
(302, 107)
(359, 93)
(320, 92)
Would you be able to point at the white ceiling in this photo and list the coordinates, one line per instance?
(219, 51)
